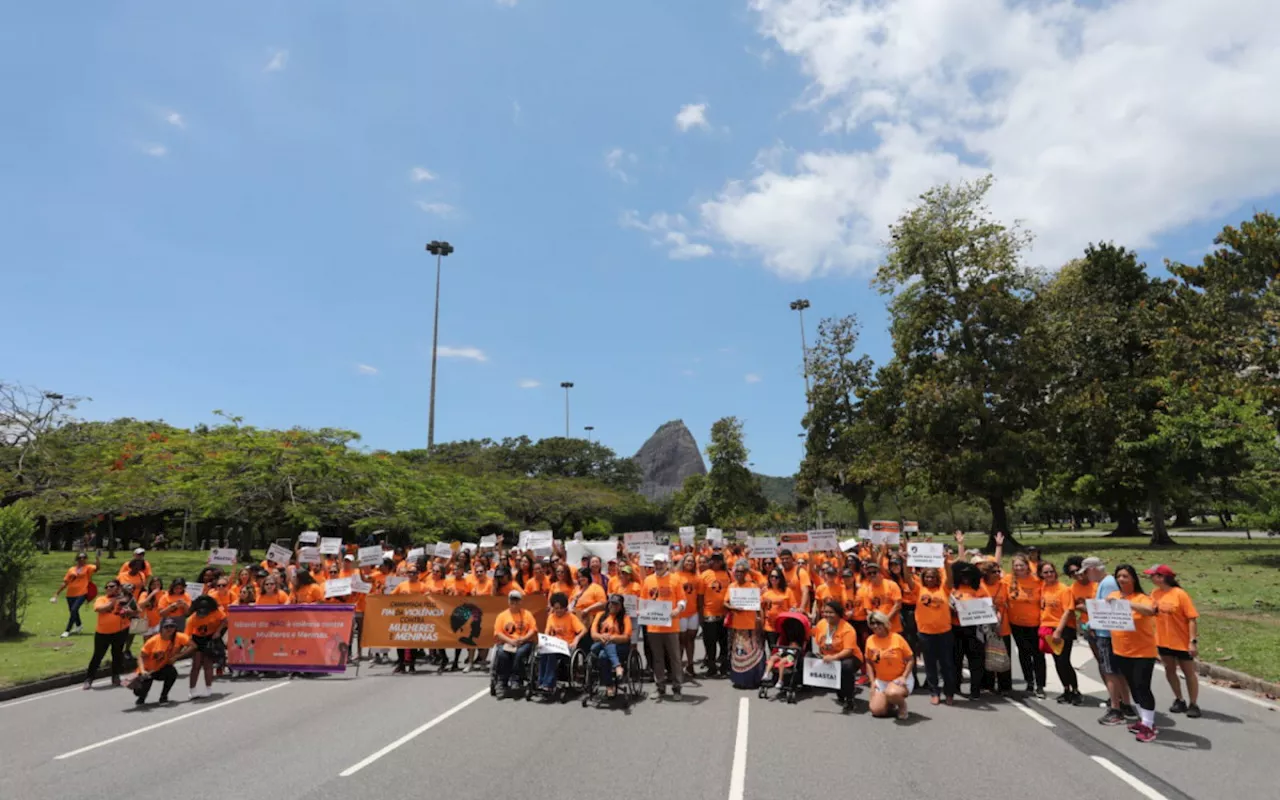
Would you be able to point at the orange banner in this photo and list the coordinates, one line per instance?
(304, 638)
(434, 621)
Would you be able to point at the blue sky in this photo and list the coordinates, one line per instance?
(225, 207)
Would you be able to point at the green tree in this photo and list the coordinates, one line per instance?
(732, 491)
(17, 561)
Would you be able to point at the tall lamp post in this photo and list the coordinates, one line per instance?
(801, 305)
(566, 385)
(439, 250)
(589, 429)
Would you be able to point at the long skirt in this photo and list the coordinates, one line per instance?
(746, 658)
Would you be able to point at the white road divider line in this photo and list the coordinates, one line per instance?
(411, 735)
(1030, 712)
(738, 775)
(1142, 788)
(188, 715)
(40, 696)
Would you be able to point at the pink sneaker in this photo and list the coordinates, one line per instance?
(1135, 726)
(1146, 734)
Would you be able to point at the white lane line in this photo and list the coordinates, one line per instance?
(1142, 788)
(411, 735)
(1030, 712)
(738, 775)
(40, 696)
(188, 715)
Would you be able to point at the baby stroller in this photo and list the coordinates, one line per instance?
(786, 661)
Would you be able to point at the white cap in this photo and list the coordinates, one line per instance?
(139, 552)
(349, 557)
(659, 557)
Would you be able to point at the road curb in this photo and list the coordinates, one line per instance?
(1247, 682)
(45, 684)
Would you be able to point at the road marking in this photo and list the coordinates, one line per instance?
(1142, 788)
(188, 715)
(1030, 712)
(411, 735)
(40, 696)
(738, 775)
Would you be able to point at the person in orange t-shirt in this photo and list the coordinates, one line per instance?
(611, 632)
(1177, 640)
(776, 598)
(516, 632)
(664, 640)
(888, 665)
(993, 582)
(715, 636)
(113, 610)
(205, 626)
(690, 618)
(406, 658)
(157, 658)
(837, 641)
(305, 589)
(968, 587)
(459, 584)
(937, 641)
(76, 584)
(271, 594)
(1024, 618)
(1058, 624)
(745, 641)
(563, 626)
(1135, 651)
(878, 594)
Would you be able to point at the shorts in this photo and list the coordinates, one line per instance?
(689, 624)
(1106, 658)
(882, 685)
(204, 644)
(1181, 655)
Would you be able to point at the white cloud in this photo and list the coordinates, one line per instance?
(1118, 121)
(752, 377)
(529, 383)
(439, 209)
(155, 150)
(175, 119)
(615, 160)
(365, 369)
(669, 231)
(279, 60)
(420, 174)
(688, 373)
(472, 353)
(693, 115)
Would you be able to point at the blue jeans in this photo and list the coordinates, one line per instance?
(608, 658)
(547, 664)
(507, 664)
(73, 605)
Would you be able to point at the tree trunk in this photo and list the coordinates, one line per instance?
(864, 519)
(45, 546)
(1126, 523)
(1000, 522)
(111, 537)
(1181, 517)
(1159, 533)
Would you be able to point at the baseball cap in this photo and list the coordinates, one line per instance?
(1093, 562)
(348, 557)
(659, 557)
(140, 552)
(515, 594)
(625, 568)
(1161, 569)
(169, 622)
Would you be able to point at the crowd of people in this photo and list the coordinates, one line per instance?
(863, 608)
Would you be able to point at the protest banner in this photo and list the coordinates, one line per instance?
(910, 527)
(978, 611)
(686, 535)
(369, 556)
(194, 590)
(885, 532)
(1110, 615)
(797, 543)
(337, 587)
(655, 612)
(821, 674)
(414, 621)
(308, 537)
(443, 550)
(222, 556)
(278, 555)
(926, 555)
(552, 645)
(823, 541)
(331, 545)
(637, 538)
(744, 598)
(308, 555)
(490, 541)
(864, 534)
(715, 536)
(764, 547)
(306, 638)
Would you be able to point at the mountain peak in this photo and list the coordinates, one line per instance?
(668, 457)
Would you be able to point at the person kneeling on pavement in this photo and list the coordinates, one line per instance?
(157, 661)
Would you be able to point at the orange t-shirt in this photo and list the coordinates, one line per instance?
(109, 621)
(1055, 602)
(311, 593)
(1083, 590)
(1024, 601)
(460, 587)
(888, 656)
(827, 591)
(567, 588)
(606, 625)
(1174, 612)
(1141, 641)
(714, 582)
(740, 620)
(565, 627)
(582, 599)
(692, 586)
(910, 594)
(881, 598)
(538, 585)
(513, 625)
(667, 589)
(1000, 599)
(180, 601)
(276, 598)
(844, 637)
(933, 610)
(435, 585)
(152, 614)
(966, 593)
(797, 581)
(773, 603)
(207, 625)
(223, 596)
(77, 580)
(158, 654)
(481, 585)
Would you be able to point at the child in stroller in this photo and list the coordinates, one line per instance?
(787, 656)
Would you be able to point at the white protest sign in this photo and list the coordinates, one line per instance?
(369, 556)
(577, 536)
(911, 527)
(392, 582)
(308, 537)
(978, 611)
(926, 555)
(443, 550)
(523, 542)
(359, 584)
(686, 535)
(416, 554)
(222, 556)
(330, 545)
(715, 536)
(540, 542)
(764, 547)
(822, 541)
(278, 554)
(194, 590)
(821, 674)
(655, 612)
(849, 544)
(574, 552)
(1110, 615)
(634, 540)
(631, 604)
(490, 541)
(337, 587)
(885, 532)
(744, 598)
(797, 543)
(308, 555)
(551, 645)
(648, 551)
(864, 534)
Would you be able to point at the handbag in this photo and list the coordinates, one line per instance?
(996, 656)
(139, 626)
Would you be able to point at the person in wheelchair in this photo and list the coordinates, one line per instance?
(516, 631)
(563, 626)
(611, 633)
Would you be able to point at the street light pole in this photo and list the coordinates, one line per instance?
(589, 429)
(801, 305)
(439, 250)
(566, 385)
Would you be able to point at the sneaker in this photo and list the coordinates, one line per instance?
(164, 698)
(115, 681)
(1146, 733)
(77, 629)
(1128, 710)
(1112, 717)
(65, 635)
(1178, 707)
(675, 690)
(1193, 711)
(662, 690)
(141, 701)
(1134, 727)
(1063, 698)
(88, 685)
(1040, 693)
(1077, 699)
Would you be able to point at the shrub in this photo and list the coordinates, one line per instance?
(17, 562)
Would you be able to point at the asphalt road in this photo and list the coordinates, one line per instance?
(383, 735)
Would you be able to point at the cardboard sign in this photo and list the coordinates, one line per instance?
(634, 540)
(309, 555)
(821, 674)
(331, 545)
(744, 598)
(443, 550)
(686, 535)
(926, 555)
(540, 542)
(763, 547)
(978, 611)
(797, 543)
(490, 541)
(849, 544)
(416, 554)
(308, 537)
(369, 556)
(715, 536)
(864, 534)
(885, 532)
(1110, 615)
(222, 556)
(655, 612)
(552, 645)
(337, 587)
(278, 555)
(648, 551)
(392, 582)
(631, 604)
(823, 541)
(194, 590)
(911, 527)
(360, 585)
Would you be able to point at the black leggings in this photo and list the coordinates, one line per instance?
(1137, 673)
(1034, 670)
(115, 641)
(1062, 662)
(969, 647)
(168, 674)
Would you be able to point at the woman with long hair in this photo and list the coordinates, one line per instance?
(205, 626)
(691, 617)
(773, 601)
(113, 610)
(1024, 619)
(563, 581)
(526, 571)
(611, 635)
(1135, 651)
(1058, 630)
(937, 640)
(888, 665)
(1177, 637)
(149, 603)
(910, 589)
(306, 589)
(967, 585)
(992, 579)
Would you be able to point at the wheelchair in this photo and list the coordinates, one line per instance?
(521, 678)
(630, 687)
(570, 678)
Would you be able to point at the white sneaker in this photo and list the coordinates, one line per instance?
(77, 629)
(65, 635)
(207, 691)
